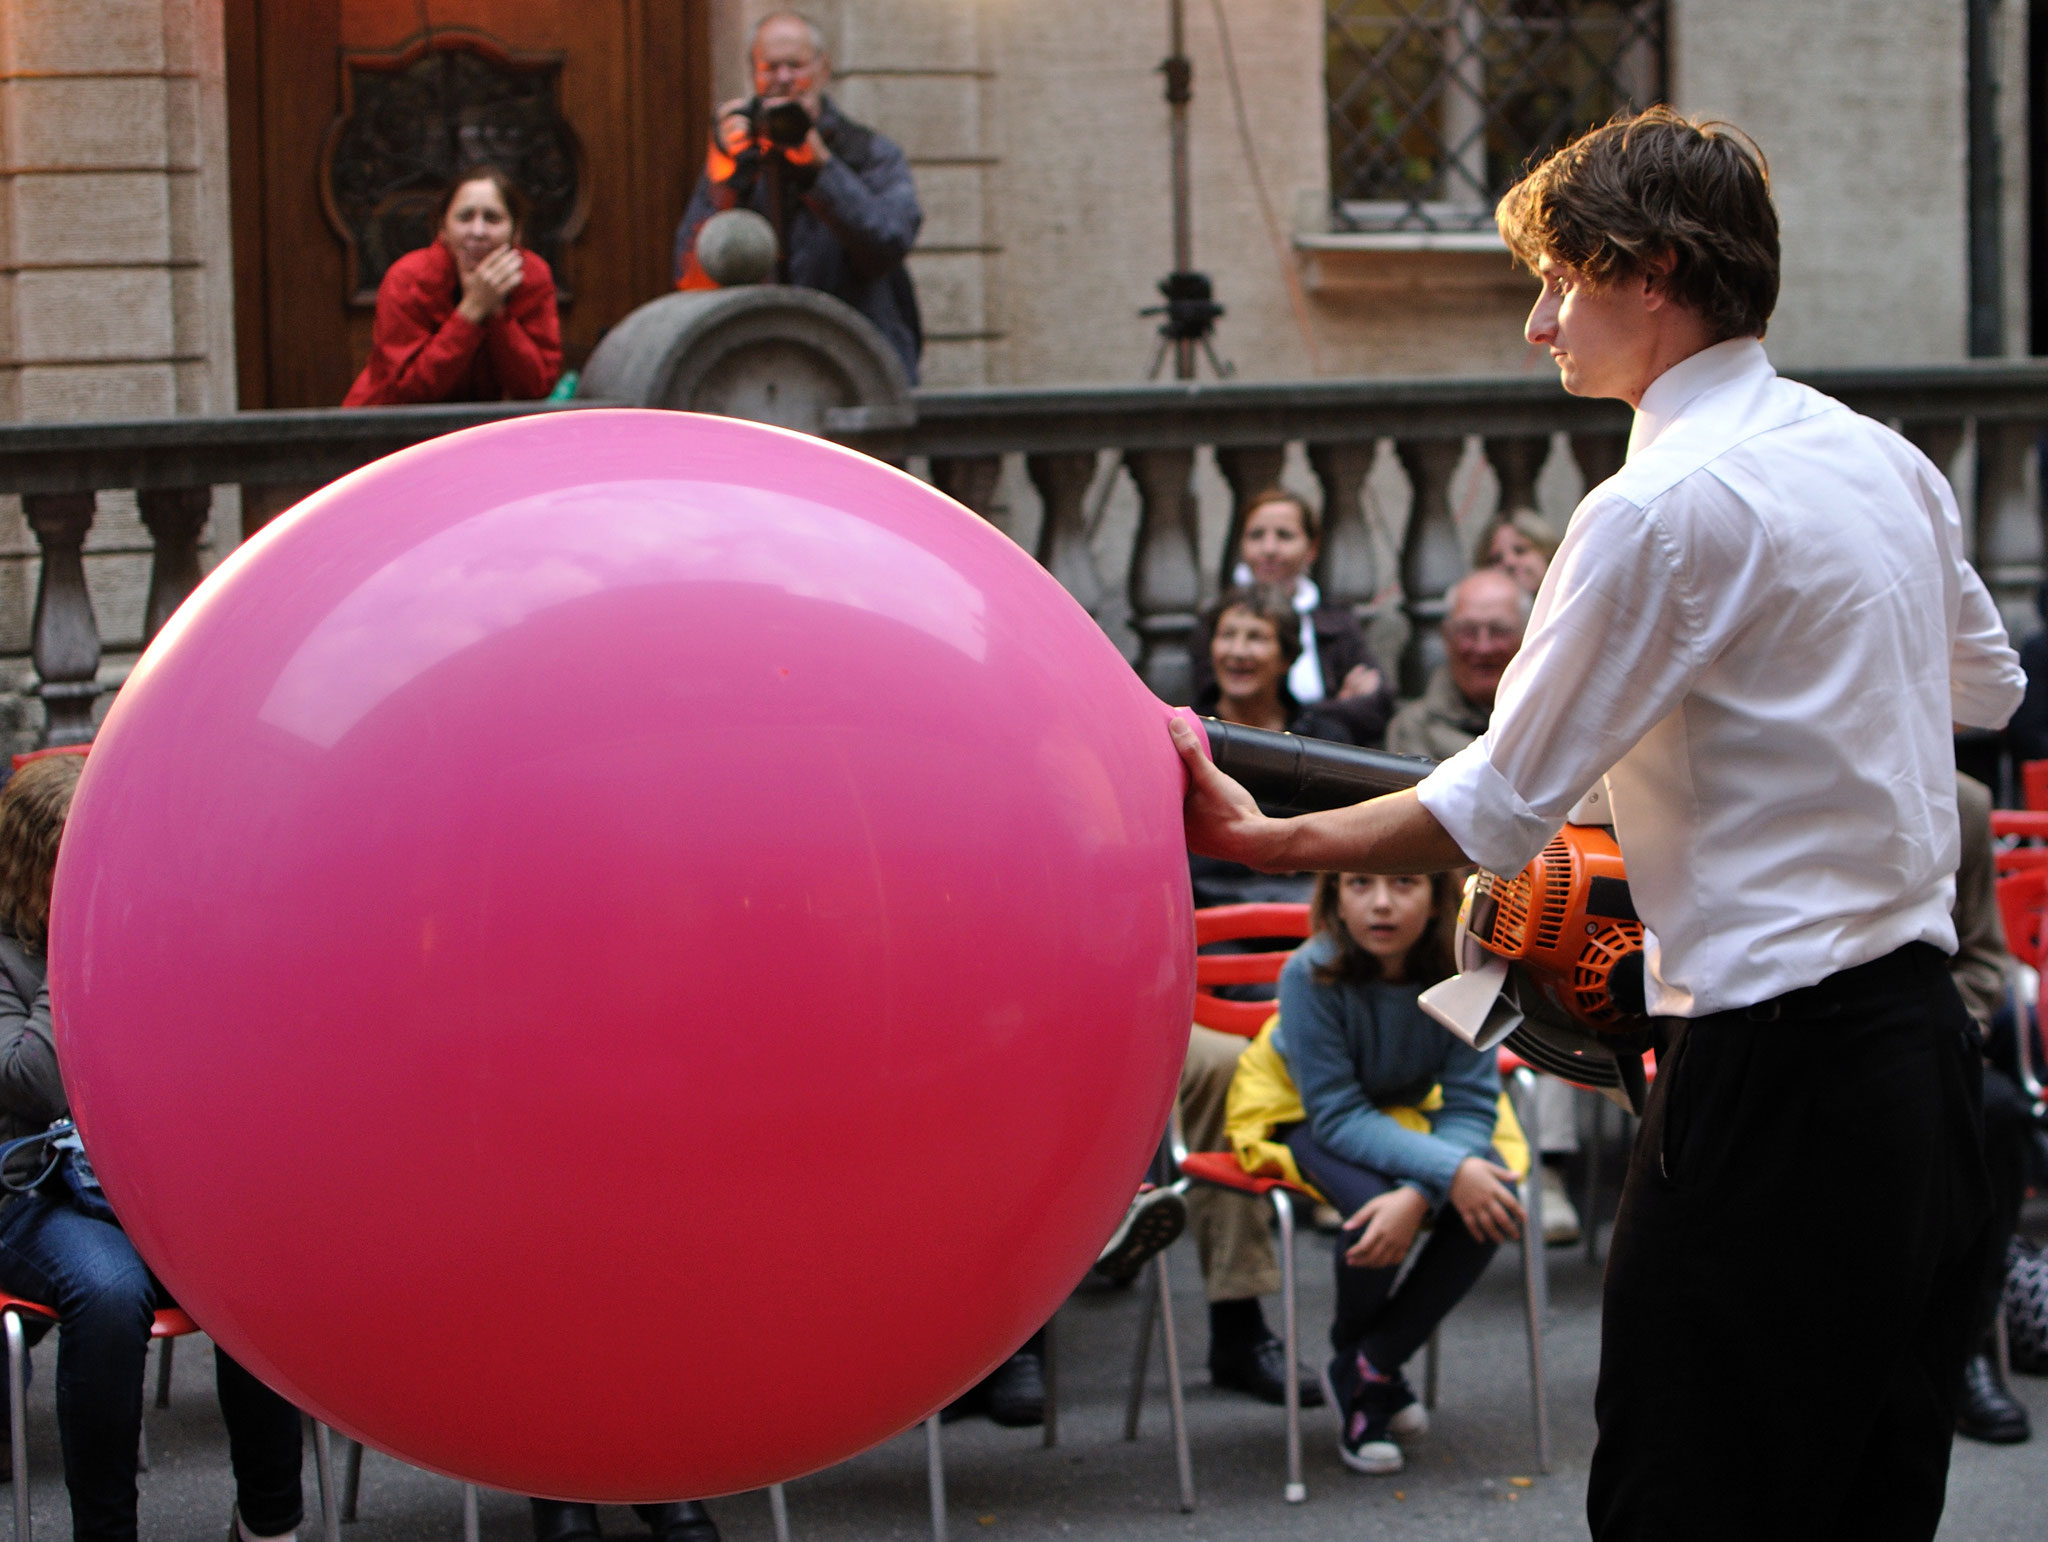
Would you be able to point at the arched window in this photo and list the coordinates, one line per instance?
(1437, 105)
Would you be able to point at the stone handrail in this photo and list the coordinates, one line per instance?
(1995, 407)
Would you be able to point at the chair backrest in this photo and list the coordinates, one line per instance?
(2022, 903)
(1234, 923)
(2009, 824)
(2034, 783)
(61, 749)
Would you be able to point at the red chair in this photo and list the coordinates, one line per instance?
(1221, 1169)
(2034, 783)
(2023, 910)
(169, 1324)
(2013, 830)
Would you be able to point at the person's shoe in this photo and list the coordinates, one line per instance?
(560, 1520)
(1367, 1444)
(1155, 1219)
(1409, 1418)
(1259, 1367)
(1015, 1392)
(1560, 1215)
(684, 1521)
(1988, 1412)
(237, 1532)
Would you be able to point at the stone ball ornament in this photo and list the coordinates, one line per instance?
(591, 929)
(737, 246)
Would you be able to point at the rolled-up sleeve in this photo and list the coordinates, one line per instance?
(1985, 681)
(1616, 644)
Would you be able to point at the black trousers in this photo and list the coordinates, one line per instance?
(1373, 1319)
(1796, 1273)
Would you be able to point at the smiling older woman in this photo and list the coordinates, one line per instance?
(469, 317)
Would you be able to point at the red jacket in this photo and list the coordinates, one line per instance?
(423, 350)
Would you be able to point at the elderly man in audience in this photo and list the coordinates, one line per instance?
(1488, 609)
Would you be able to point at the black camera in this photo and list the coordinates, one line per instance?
(786, 125)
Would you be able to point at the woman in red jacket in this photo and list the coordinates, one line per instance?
(468, 317)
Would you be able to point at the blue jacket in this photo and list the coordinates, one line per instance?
(1352, 1049)
(845, 228)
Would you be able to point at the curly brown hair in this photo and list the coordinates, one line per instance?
(1643, 188)
(1428, 961)
(33, 807)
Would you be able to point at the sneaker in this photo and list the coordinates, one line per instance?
(1410, 1418)
(1259, 1366)
(1367, 1444)
(1560, 1216)
(1155, 1219)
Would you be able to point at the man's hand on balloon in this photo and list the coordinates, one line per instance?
(1222, 818)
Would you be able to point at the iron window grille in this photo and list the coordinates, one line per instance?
(1436, 106)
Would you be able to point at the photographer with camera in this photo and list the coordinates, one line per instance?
(838, 194)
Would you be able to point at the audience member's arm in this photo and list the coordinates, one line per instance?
(874, 211)
(30, 1088)
(422, 361)
(1979, 965)
(1342, 1117)
(1471, 1087)
(525, 336)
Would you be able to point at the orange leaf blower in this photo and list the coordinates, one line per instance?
(1552, 958)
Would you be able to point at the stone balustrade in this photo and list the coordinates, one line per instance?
(1980, 421)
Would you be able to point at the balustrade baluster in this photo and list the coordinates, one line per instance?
(176, 519)
(1432, 558)
(2009, 545)
(1517, 461)
(66, 638)
(1249, 469)
(970, 479)
(1599, 456)
(1348, 570)
(1166, 578)
(1062, 481)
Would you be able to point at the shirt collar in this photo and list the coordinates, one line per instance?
(1688, 380)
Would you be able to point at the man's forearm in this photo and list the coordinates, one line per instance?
(1394, 834)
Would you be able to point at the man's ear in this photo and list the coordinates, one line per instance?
(1657, 280)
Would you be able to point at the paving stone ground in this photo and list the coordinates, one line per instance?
(1004, 1484)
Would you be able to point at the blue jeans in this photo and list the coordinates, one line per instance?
(89, 1273)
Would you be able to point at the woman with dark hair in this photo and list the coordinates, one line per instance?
(1331, 666)
(469, 317)
(83, 1266)
(1354, 1090)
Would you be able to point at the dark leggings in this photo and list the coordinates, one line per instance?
(1385, 1324)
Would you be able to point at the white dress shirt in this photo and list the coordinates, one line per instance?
(1758, 630)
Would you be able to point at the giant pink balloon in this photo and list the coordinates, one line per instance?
(624, 955)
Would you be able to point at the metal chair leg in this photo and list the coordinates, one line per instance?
(323, 1464)
(351, 1479)
(1532, 1186)
(17, 1422)
(1431, 1356)
(935, 1473)
(778, 1512)
(1134, 1405)
(142, 1448)
(1176, 1409)
(165, 1349)
(1050, 1349)
(1296, 1490)
(472, 1530)
(1532, 1278)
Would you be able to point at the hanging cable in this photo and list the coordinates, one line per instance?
(1283, 254)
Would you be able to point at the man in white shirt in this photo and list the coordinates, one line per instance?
(1758, 631)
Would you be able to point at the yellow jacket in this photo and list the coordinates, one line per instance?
(1262, 1098)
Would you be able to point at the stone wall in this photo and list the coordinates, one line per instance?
(1040, 137)
(116, 289)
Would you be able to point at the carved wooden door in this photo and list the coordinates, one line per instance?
(345, 117)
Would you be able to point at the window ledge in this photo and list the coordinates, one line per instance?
(1455, 260)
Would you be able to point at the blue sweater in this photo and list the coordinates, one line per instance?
(1355, 1049)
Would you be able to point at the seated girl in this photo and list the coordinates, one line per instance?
(1353, 1091)
(82, 1266)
